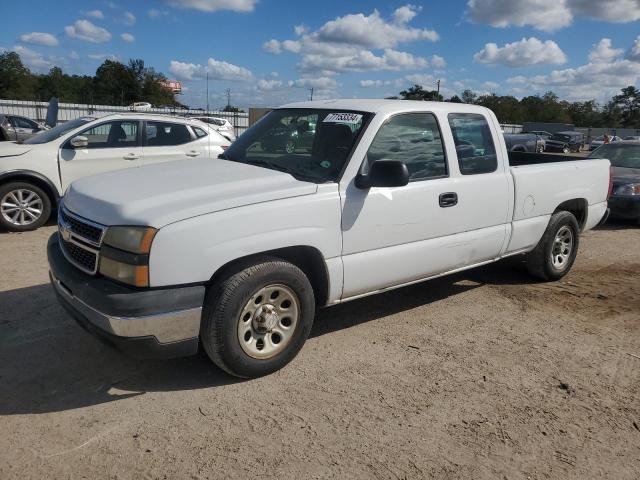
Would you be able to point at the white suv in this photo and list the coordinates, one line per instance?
(37, 171)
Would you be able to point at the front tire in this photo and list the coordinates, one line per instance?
(257, 317)
(23, 207)
(556, 251)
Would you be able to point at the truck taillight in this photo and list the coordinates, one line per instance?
(610, 182)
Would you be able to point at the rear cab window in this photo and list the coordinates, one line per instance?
(475, 148)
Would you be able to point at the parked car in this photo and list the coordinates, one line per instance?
(17, 128)
(140, 107)
(541, 133)
(565, 142)
(524, 142)
(631, 138)
(236, 255)
(34, 173)
(221, 125)
(599, 141)
(624, 201)
(297, 133)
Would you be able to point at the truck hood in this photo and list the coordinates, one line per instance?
(157, 195)
(12, 149)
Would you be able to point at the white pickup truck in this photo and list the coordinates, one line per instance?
(236, 255)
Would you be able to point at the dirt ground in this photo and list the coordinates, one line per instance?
(485, 374)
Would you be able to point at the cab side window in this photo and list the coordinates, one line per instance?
(474, 143)
(117, 134)
(162, 134)
(413, 138)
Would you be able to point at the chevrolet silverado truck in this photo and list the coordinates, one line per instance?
(234, 256)
(35, 172)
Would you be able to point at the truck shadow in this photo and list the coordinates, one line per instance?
(49, 364)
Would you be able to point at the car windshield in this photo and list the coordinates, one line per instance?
(56, 132)
(310, 144)
(625, 156)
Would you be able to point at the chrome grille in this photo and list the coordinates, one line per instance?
(80, 240)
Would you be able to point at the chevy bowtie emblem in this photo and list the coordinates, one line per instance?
(65, 233)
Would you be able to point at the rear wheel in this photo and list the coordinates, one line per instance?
(566, 149)
(23, 207)
(290, 146)
(556, 251)
(257, 318)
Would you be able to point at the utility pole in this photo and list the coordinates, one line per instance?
(207, 91)
(311, 93)
(228, 97)
(438, 88)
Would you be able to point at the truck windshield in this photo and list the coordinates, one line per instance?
(310, 144)
(625, 156)
(57, 131)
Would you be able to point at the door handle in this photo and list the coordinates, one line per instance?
(192, 153)
(448, 199)
(131, 156)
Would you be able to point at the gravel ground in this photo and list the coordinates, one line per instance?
(485, 374)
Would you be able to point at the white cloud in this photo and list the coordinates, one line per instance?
(34, 60)
(87, 31)
(438, 62)
(214, 5)
(373, 31)
(39, 38)
(525, 53)
(634, 52)
(155, 13)
(268, 85)
(272, 46)
(127, 37)
(590, 80)
(128, 18)
(490, 85)
(517, 80)
(381, 83)
(218, 70)
(550, 15)
(319, 83)
(357, 42)
(95, 14)
(603, 52)
(103, 56)
(74, 55)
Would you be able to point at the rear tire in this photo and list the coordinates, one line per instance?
(257, 317)
(556, 251)
(23, 206)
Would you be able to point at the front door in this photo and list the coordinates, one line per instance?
(398, 235)
(113, 145)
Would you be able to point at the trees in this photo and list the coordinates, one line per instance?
(418, 93)
(113, 84)
(628, 103)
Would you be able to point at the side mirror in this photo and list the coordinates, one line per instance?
(79, 142)
(384, 173)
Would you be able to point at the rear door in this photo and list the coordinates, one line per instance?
(113, 145)
(167, 141)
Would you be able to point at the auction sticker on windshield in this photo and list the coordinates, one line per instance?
(343, 118)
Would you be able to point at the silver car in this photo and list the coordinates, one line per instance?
(15, 128)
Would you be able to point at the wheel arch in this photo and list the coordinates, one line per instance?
(37, 179)
(308, 259)
(579, 207)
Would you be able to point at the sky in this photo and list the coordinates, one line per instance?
(269, 52)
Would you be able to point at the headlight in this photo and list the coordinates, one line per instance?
(125, 254)
(130, 239)
(629, 189)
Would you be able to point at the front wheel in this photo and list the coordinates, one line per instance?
(556, 251)
(23, 207)
(257, 318)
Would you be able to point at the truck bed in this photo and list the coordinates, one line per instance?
(517, 159)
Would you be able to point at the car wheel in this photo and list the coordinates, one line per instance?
(566, 149)
(257, 317)
(290, 146)
(23, 207)
(540, 149)
(557, 249)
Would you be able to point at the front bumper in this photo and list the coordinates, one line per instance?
(625, 207)
(144, 323)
